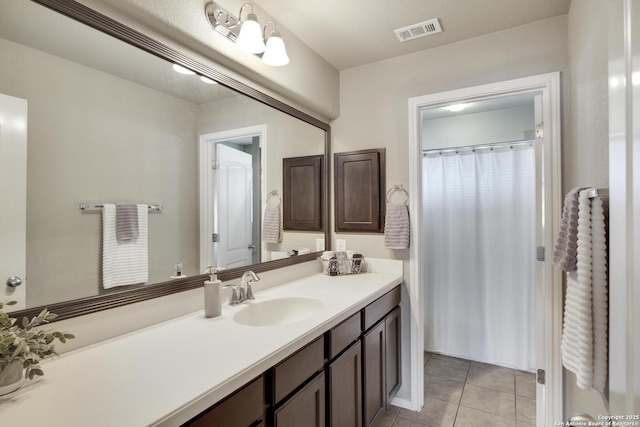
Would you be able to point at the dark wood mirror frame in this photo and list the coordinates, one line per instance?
(122, 32)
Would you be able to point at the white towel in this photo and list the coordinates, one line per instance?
(396, 227)
(600, 299)
(124, 262)
(272, 224)
(584, 334)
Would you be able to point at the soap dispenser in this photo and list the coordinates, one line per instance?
(212, 301)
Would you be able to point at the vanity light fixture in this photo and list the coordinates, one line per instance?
(275, 53)
(250, 38)
(247, 35)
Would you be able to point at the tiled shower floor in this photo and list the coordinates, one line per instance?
(462, 393)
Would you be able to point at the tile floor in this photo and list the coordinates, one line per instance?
(461, 393)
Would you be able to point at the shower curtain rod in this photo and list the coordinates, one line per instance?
(477, 147)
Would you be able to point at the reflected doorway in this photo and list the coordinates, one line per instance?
(231, 192)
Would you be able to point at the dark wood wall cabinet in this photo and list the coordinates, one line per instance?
(344, 378)
(302, 193)
(359, 191)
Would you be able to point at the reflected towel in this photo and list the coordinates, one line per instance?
(124, 262)
(396, 227)
(272, 224)
(126, 222)
(565, 251)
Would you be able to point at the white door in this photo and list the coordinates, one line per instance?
(233, 210)
(13, 193)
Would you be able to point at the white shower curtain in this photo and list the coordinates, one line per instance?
(479, 233)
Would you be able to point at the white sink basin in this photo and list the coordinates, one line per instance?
(278, 311)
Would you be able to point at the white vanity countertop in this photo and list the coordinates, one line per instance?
(166, 374)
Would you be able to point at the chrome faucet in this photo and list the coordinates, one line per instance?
(243, 292)
(245, 283)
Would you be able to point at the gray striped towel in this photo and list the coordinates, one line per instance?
(125, 262)
(272, 224)
(127, 222)
(565, 253)
(396, 227)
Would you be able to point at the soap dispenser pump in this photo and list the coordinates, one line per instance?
(212, 301)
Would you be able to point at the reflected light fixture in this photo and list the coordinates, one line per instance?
(180, 69)
(208, 81)
(456, 107)
(247, 34)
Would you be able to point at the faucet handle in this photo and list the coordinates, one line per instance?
(249, 292)
(236, 295)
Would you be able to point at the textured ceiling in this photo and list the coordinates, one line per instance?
(349, 33)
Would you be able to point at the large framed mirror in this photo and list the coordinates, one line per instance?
(94, 113)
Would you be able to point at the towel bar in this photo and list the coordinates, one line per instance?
(84, 206)
(598, 192)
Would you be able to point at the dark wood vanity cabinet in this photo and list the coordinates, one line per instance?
(244, 408)
(345, 373)
(344, 378)
(304, 408)
(381, 354)
(345, 388)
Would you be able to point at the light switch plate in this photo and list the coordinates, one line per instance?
(319, 245)
(341, 245)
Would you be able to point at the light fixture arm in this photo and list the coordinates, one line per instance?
(240, 21)
(264, 31)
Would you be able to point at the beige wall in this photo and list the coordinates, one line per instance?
(374, 102)
(586, 157)
(83, 125)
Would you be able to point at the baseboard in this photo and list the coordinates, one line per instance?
(402, 403)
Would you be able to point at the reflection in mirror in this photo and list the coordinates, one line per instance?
(108, 123)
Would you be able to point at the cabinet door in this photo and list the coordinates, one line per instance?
(242, 409)
(373, 345)
(345, 386)
(392, 349)
(305, 408)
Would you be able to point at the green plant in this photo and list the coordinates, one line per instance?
(27, 343)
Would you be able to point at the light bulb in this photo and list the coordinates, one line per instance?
(275, 53)
(250, 38)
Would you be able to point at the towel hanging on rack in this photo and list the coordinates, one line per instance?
(124, 262)
(397, 226)
(584, 334)
(272, 221)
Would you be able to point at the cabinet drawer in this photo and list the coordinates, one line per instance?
(380, 307)
(344, 334)
(241, 409)
(297, 368)
(305, 408)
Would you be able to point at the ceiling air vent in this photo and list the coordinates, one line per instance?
(418, 30)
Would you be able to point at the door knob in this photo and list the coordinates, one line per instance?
(251, 246)
(14, 281)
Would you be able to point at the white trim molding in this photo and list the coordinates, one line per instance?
(549, 86)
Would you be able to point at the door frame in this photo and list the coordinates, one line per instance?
(549, 86)
(206, 145)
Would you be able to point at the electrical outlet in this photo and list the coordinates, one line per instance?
(319, 245)
(341, 245)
